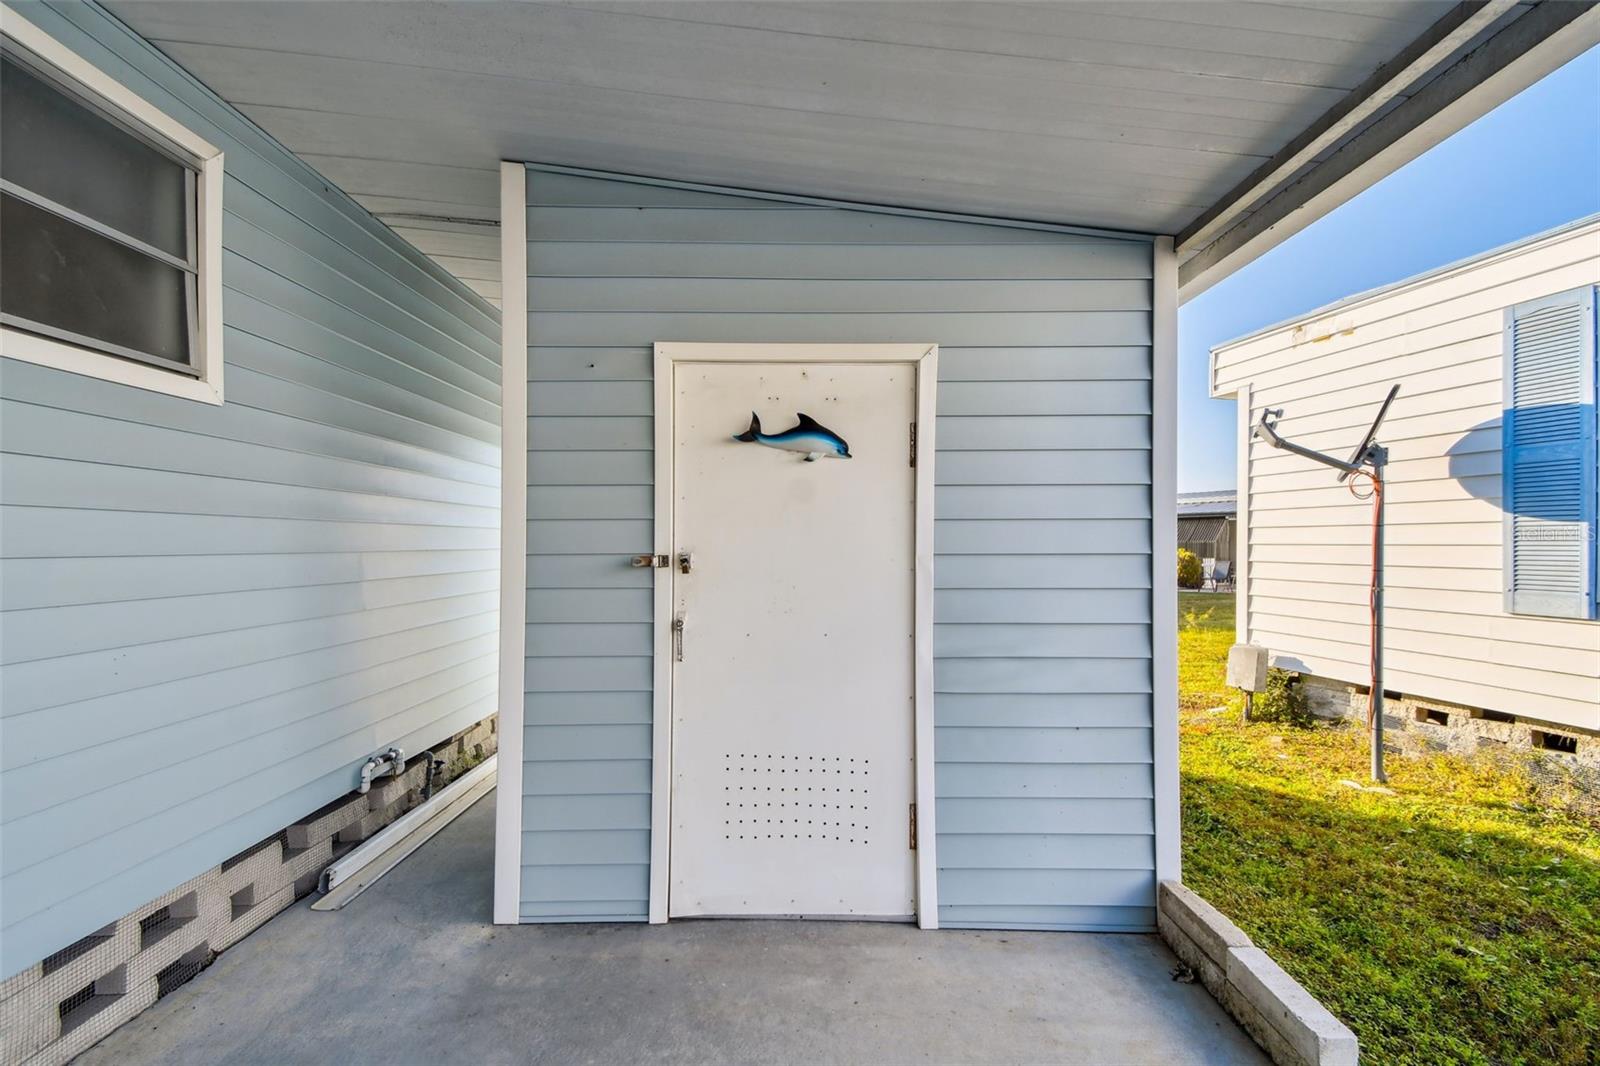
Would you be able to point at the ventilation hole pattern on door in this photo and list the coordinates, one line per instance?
(796, 798)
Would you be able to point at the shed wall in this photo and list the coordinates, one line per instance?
(1447, 634)
(1042, 609)
(212, 615)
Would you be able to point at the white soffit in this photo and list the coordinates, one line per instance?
(1124, 116)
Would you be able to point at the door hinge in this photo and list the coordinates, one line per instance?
(913, 827)
(913, 444)
(660, 562)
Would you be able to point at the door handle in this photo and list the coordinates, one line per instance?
(677, 638)
(684, 561)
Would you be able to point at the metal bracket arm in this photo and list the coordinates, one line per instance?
(1266, 430)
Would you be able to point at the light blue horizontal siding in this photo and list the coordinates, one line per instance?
(31, 583)
(851, 261)
(213, 615)
(862, 295)
(1095, 919)
(1022, 328)
(1042, 533)
(993, 817)
(1045, 851)
(629, 847)
(53, 432)
(681, 225)
(966, 777)
(579, 810)
(286, 435)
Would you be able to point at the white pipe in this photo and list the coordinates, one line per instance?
(392, 761)
(384, 850)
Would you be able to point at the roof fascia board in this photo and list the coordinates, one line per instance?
(1451, 32)
(1513, 59)
(1589, 224)
(846, 205)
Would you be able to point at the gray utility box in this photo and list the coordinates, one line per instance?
(1247, 667)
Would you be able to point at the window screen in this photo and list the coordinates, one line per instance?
(99, 226)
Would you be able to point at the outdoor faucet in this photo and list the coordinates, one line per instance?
(388, 762)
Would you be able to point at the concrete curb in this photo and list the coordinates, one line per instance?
(1281, 1016)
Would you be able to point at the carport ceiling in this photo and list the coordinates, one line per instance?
(1136, 116)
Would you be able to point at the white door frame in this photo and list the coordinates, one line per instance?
(926, 359)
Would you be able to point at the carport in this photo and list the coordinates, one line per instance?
(954, 235)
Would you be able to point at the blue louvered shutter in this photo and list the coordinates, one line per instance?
(1550, 459)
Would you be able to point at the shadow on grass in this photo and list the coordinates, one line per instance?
(1435, 936)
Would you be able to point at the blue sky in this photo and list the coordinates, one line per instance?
(1531, 164)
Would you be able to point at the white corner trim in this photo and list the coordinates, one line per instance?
(513, 539)
(1163, 547)
(87, 79)
(925, 357)
(1243, 398)
(923, 749)
(661, 649)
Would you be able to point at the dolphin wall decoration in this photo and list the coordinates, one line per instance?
(808, 436)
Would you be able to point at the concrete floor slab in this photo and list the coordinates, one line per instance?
(412, 972)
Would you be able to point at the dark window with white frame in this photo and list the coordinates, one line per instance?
(1550, 462)
(111, 216)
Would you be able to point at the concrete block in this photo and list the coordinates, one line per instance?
(29, 1024)
(323, 824)
(1311, 1030)
(1208, 927)
(360, 830)
(271, 877)
(20, 981)
(30, 1020)
(97, 954)
(1212, 974)
(386, 791)
(202, 906)
(136, 999)
(258, 866)
(312, 860)
(249, 921)
(1274, 1043)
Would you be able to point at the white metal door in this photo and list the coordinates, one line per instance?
(793, 697)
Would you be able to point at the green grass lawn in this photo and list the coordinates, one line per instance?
(1457, 920)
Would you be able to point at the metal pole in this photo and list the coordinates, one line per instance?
(1368, 453)
(1379, 458)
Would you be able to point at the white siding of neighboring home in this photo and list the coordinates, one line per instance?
(1448, 636)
